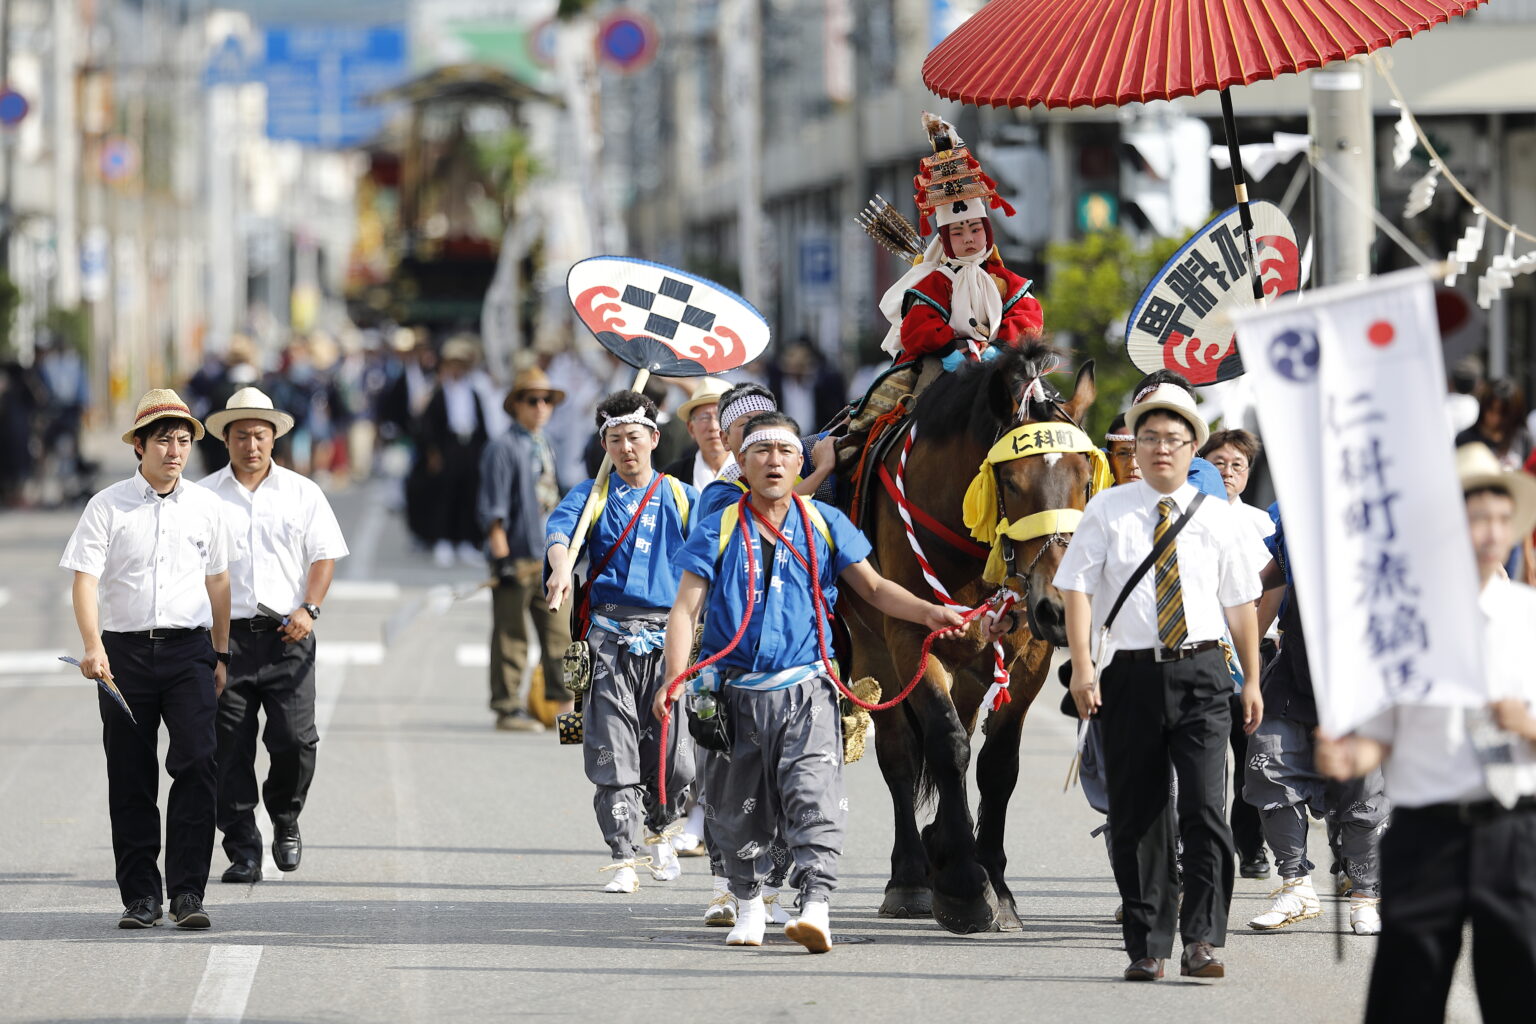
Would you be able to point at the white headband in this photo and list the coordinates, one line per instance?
(638, 416)
(772, 434)
(1119, 437)
(744, 405)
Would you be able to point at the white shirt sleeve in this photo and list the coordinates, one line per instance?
(218, 538)
(1238, 582)
(87, 548)
(1381, 727)
(1082, 567)
(322, 533)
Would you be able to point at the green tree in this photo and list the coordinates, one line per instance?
(1094, 282)
(10, 300)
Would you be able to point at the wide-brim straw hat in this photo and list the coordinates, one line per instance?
(531, 379)
(250, 404)
(162, 404)
(1478, 467)
(460, 348)
(708, 392)
(1174, 399)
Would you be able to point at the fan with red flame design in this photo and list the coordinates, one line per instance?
(1183, 320)
(664, 320)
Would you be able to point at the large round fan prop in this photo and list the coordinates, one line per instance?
(1183, 321)
(660, 320)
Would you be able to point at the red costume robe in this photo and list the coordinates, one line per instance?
(925, 310)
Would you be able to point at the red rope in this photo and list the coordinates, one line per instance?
(584, 613)
(818, 600)
(937, 528)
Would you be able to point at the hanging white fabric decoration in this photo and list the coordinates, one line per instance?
(1468, 249)
(1403, 138)
(1499, 276)
(1423, 192)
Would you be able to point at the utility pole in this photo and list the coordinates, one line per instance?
(1344, 144)
(7, 214)
(741, 25)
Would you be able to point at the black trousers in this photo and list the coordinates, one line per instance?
(1155, 716)
(1247, 829)
(1437, 873)
(265, 674)
(170, 681)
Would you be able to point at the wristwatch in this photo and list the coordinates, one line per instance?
(312, 609)
(223, 657)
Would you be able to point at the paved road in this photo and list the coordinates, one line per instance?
(450, 871)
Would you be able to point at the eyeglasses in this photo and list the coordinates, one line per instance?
(1173, 444)
(538, 400)
(1124, 451)
(708, 416)
(1236, 466)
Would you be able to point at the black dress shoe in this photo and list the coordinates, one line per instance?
(287, 847)
(1199, 961)
(1256, 867)
(245, 871)
(187, 911)
(1146, 969)
(144, 913)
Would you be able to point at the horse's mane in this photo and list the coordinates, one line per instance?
(960, 402)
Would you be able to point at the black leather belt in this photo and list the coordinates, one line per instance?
(1474, 812)
(259, 624)
(159, 635)
(1167, 654)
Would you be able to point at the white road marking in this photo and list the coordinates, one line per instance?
(31, 662)
(364, 590)
(349, 652)
(226, 985)
(5, 596)
(473, 656)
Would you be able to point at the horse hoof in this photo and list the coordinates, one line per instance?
(966, 916)
(907, 901)
(1008, 919)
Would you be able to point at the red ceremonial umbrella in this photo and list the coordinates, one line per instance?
(1094, 53)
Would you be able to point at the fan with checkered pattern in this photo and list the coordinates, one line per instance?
(664, 320)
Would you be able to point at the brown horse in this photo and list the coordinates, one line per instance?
(954, 869)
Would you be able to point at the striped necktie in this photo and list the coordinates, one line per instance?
(1171, 628)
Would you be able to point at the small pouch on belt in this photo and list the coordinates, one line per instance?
(577, 666)
(568, 725)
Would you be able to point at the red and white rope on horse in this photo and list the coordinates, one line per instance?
(997, 694)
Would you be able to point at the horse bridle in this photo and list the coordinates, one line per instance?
(1052, 401)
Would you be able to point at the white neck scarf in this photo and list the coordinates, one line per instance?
(974, 295)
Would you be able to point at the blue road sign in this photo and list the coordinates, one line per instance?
(229, 65)
(318, 75)
(13, 107)
(818, 263)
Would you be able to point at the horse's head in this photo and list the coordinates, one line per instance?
(1039, 490)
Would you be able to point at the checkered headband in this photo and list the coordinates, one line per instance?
(638, 416)
(745, 406)
(776, 434)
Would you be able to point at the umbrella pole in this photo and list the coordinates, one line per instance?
(1240, 190)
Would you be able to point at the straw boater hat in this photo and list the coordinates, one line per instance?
(707, 393)
(1477, 467)
(249, 404)
(162, 404)
(460, 347)
(531, 379)
(1174, 399)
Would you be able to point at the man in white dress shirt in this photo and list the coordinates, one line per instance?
(285, 541)
(151, 600)
(1462, 844)
(1162, 685)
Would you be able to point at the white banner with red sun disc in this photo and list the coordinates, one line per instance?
(1349, 385)
(1183, 320)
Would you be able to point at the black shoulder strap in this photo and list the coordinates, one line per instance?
(1152, 556)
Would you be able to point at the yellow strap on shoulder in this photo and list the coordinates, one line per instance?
(732, 514)
(680, 498)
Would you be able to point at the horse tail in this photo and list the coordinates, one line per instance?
(925, 792)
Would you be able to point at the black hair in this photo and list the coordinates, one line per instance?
(767, 420)
(622, 403)
(159, 428)
(1117, 425)
(1498, 489)
(1177, 417)
(1246, 444)
(1159, 377)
